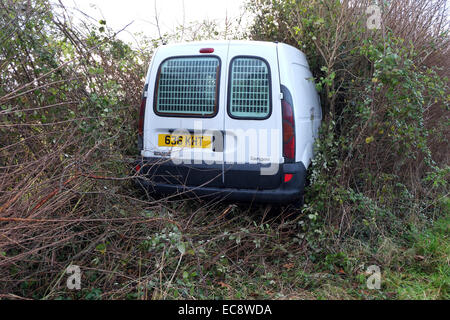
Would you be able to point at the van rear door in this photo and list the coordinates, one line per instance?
(185, 118)
(253, 119)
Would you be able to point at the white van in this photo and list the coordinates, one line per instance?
(233, 119)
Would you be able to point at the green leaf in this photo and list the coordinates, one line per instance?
(369, 139)
(181, 247)
(101, 248)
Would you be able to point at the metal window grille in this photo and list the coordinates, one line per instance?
(249, 90)
(187, 86)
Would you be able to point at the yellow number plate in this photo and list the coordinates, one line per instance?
(184, 141)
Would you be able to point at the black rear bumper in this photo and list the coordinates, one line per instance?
(237, 182)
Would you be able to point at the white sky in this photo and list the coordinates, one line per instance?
(119, 13)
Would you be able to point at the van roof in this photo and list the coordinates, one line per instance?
(212, 43)
(221, 42)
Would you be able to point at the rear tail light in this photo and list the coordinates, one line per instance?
(288, 177)
(288, 132)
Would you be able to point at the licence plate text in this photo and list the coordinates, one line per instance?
(184, 141)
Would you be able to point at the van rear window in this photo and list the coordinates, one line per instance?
(249, 95)
(187, 86)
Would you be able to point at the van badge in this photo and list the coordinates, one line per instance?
(161, 153)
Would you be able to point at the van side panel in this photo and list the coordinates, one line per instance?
(296, 76)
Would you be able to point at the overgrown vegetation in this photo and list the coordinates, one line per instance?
(379, 183)
(380, 175)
